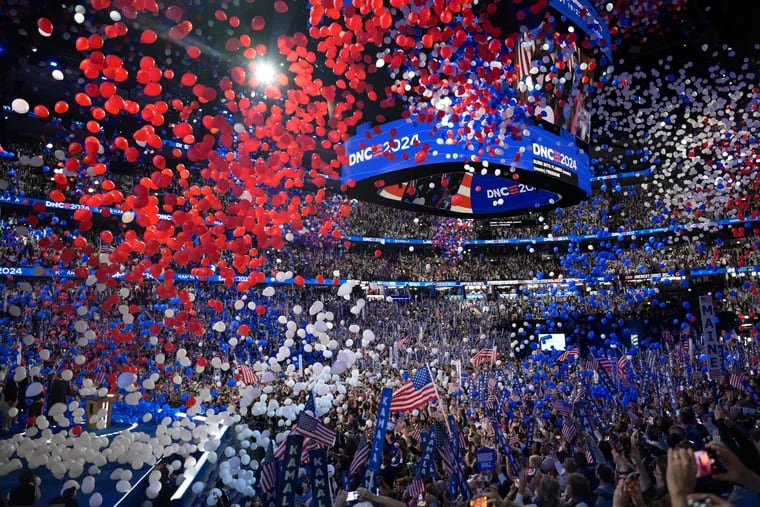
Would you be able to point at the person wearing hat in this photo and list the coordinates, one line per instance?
(67, 498)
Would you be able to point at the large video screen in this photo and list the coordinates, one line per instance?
(554, 341)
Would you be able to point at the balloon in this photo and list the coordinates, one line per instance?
(20, 106)
(88, 485)
(96, 500)
(33, 390)
(125, 380)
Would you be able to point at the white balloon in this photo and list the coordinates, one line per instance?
(88, 485)
(96, 500)
(33, 390)
(338, 367)
(20, 106)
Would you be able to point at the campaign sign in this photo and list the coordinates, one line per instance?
(710, 337)
(486, 459)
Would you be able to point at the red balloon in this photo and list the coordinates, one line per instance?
(174, 12)
(148, 36)
(258, 23)
(45, 27)
(41, 111)
(181, 30)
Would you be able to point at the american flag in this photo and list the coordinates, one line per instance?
(310, 405)
(525, 49)
(574, 352)
(514, 440)
(308, 445)
(621, 366)
(417, 432)
(100, 377)
(484, 355)
(590, 457)
(606, 364)
(247, 375)
(360, 457)
(443, 444)
(269, 470)
(563, 408)
(736, 380)
(462, 440)
(311, 427)
(415, 393)
(416, 488)
(569, 431)
(579, 394)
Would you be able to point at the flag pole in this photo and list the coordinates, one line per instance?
(438, 396)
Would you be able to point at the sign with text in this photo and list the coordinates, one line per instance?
(378, 442)
(486, 459)
(291, 462)
(710, 337)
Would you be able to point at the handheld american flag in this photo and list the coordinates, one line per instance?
(311, 405)
(573, 352)
(736, 380)
(312, 427)
(268, 470)
(100, 377)
(563, 408)
(484, 355)
(308, 445)
(247, 375)
(360, 457)
(416, 393)
(569, 431)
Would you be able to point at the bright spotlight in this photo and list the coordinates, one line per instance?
(264, 73)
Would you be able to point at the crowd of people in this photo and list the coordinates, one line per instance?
(186, 353)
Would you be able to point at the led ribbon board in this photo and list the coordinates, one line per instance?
(410, 165)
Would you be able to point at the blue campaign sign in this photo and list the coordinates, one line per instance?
(486, 459)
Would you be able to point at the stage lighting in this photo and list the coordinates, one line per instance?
(265, 73)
